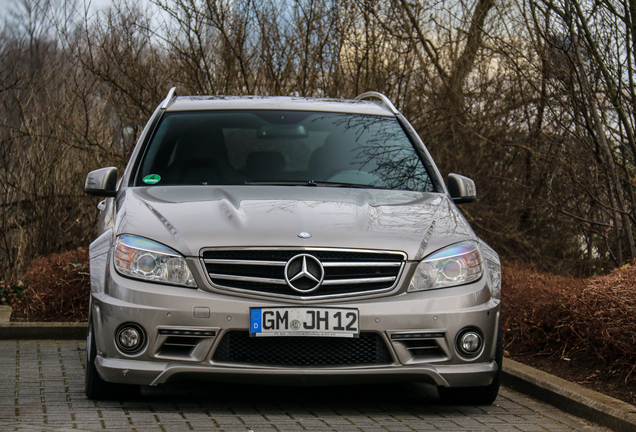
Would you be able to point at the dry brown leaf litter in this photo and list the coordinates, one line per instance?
(583, 330)
(57, 289)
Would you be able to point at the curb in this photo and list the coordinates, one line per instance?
(569, 397)
(564, 395)
(35, 330)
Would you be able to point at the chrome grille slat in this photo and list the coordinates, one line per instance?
(360, 264)
(347, 272)
(247, 279)
(282, 264)
(240, 262)
(358, 281)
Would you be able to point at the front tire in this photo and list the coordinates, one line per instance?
(484, 395)
(95, 387)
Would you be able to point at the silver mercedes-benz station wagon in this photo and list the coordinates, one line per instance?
(291, 241)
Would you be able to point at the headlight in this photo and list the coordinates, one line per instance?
(145, 259)
(457, 264)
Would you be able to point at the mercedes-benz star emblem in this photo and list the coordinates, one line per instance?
(304, 273)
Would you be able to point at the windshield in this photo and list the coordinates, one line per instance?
(282, 147)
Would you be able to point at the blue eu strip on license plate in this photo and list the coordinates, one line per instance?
(256, 323)
(303, 321)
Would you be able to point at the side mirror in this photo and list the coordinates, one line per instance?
(462, 189)
(102, 182)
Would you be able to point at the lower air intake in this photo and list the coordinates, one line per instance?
(239, 347)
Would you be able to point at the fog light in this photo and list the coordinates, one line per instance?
(130, 338)
(469, 343)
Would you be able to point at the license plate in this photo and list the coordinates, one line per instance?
(304, 322)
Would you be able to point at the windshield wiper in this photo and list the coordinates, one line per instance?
(281, 183)
(312, 183)
(348, 185)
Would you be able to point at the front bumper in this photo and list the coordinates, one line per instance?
(154, 373)
(418, 329)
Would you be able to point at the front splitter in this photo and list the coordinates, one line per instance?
(155, 373)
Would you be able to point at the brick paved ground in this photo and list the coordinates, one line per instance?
(42, 389)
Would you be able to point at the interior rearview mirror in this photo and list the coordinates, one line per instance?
(282, 131)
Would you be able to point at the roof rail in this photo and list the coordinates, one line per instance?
(171, 94)
(385, 100)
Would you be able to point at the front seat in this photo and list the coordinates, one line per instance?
(202, 158)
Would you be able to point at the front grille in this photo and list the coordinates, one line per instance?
(240, 347)
(262, 271)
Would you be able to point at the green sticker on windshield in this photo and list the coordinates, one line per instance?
(152, 179)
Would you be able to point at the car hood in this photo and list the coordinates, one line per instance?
(191, 218)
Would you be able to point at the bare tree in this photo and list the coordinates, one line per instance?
(534, 99)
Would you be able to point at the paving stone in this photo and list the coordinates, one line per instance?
(42, 385)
